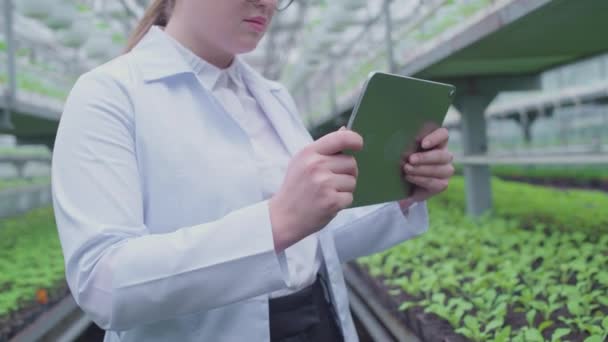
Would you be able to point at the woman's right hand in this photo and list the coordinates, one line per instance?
(320, 182)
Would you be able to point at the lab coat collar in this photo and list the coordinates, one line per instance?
(208, 73)
(158, 58)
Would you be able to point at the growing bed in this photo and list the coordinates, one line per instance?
(31, 269)
(535, 270)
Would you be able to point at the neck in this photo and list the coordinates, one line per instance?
(203, 49)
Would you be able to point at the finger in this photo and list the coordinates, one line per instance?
(338, 141)
(437, 156)
(432, 171)
(432, 185)
(437, 138)
(421, 194)
(344, 199)
(342, 164)
(344, 183)
(406, 203)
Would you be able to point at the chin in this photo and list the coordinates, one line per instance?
(247, 46)
(246, 49)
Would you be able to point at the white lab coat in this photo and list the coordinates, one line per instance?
(165, 233)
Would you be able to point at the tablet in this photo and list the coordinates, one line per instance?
(393, 114)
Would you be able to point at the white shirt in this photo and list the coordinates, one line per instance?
(271, 156)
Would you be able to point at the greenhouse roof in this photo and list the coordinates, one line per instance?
(57, 40)
(523, 37)
(323, 50)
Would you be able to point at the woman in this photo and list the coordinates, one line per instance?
(193, 205)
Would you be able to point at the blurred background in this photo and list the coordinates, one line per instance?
(518, 244)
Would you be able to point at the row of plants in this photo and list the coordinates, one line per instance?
(533, 270)
(76, 26)
(510, 276)
(32, 82)
(454, 12)
(25, 151)
(31, 261)
(35, 84)
(27, 59)
(572, 210)
(31, 270)
(581, 174)
(19, 182)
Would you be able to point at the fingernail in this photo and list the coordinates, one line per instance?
(342, 128)
(426, 144)
(413, 158)
(408, 167)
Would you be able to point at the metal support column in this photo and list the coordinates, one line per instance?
(11, 90)
(307, 105)
(525, 121)
(20, 168)
(477, 177)
(332, 89)
(389, 36)
(473, 97)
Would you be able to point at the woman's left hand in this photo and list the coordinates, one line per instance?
(429, 170)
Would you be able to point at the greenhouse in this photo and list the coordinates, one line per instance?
(516, 246)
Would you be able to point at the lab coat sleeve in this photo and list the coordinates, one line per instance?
(119, 273)
(370, 229)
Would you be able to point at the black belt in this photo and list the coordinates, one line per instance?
(306, 315)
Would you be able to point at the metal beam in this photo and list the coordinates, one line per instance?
(412, 20)
(388, 36)
(443, 46)
(565, 159)
(332, 87)
(302, 8)
(132, 8)
(563, 97)
(348, 45)
(11, 90)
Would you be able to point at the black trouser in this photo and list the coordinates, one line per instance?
(304, 316)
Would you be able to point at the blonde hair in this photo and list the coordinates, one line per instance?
(158, 13)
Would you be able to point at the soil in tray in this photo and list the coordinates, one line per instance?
(11, 324)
